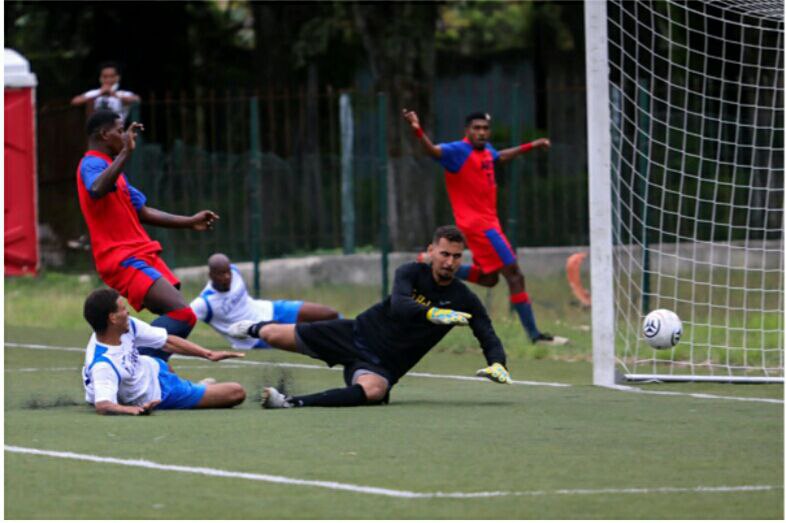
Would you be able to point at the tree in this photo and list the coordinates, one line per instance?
(399, 40)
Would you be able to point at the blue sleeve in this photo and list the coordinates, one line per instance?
(454, 154)
(90, 170)
(138, 198)
(494, 153)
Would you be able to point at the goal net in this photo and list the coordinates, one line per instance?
(695, 165)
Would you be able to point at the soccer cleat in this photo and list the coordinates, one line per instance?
(273, 399)
(239, 329)
(547, 339)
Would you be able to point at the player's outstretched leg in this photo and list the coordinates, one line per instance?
(473, 274)
(368, 389)
(521, 302)
(316, 312)
(222, 395)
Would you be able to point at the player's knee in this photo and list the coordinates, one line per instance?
(375, 389)
(235, 394)
(489, 280)
(271, 334)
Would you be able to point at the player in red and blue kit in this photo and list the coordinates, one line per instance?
(472, 190)
(125, 257)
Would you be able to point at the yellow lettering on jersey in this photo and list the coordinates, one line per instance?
(419, 298)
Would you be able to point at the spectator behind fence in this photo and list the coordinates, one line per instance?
(108, 96)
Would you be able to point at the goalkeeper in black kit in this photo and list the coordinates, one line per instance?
(383, 343)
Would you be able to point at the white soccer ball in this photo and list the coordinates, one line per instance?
(662, 329)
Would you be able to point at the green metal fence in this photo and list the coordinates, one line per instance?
(270, 164)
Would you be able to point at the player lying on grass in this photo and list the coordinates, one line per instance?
(225, 301)
(472, 190)
(119, 380)
(387, 340)
(125, 257)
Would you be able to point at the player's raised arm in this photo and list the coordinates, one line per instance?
(105, 182)
(432, 150)
(508, 154)
(179, 345)
(201, 221)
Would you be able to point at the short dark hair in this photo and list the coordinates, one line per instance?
(108, 64)
(450, 232)
(99, 120)
(98, 306)
(476, 116)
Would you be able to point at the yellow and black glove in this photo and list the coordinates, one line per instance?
(496, 373)
(448, 316)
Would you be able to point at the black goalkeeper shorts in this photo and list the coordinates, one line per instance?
(334, 342)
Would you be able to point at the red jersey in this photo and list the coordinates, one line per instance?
(115, 230)
(471, 184)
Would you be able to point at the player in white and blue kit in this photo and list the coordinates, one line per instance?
(225, 300)
(118, 380)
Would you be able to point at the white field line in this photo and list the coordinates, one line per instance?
(620, 388)
(698, 395)
(303, 366)
(364, 489)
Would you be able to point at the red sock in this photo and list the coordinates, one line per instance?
(519, 297)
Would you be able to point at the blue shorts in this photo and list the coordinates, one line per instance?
(177, 393)
(286, 311)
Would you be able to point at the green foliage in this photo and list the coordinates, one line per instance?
(473, 27)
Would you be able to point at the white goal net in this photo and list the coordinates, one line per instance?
(696, 151)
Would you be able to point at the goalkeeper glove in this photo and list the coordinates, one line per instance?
(447, 316)
(496, 372)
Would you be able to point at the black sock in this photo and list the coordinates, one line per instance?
(346, 397)
(253, 331)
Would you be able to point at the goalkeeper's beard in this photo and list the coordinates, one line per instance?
(445, 275)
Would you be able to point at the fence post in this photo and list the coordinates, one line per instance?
(382, 165)
(347, 181)
(255, 190)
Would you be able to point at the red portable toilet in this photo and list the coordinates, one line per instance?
(21, 195)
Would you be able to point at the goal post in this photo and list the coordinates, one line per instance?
(685, 114)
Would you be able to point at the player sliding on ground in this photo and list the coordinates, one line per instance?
(225, 301)
(472, 189)
(118, 380)
(387, 340)
(126, 258)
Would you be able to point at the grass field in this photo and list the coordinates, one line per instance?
(536, 450)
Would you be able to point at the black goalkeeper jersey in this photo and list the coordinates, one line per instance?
(397, 330)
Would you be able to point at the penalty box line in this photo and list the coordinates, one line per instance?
(394, 493)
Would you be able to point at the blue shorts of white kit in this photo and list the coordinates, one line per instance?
(177, 393)
(286, 311)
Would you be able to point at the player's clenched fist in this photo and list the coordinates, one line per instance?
(496, 372)
(448, 316)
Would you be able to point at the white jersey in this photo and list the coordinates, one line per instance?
(109, 103)
(118, 373)
(222, 309)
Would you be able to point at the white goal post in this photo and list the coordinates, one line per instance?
(685, 130)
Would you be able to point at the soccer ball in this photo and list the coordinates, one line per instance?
(662, 329)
